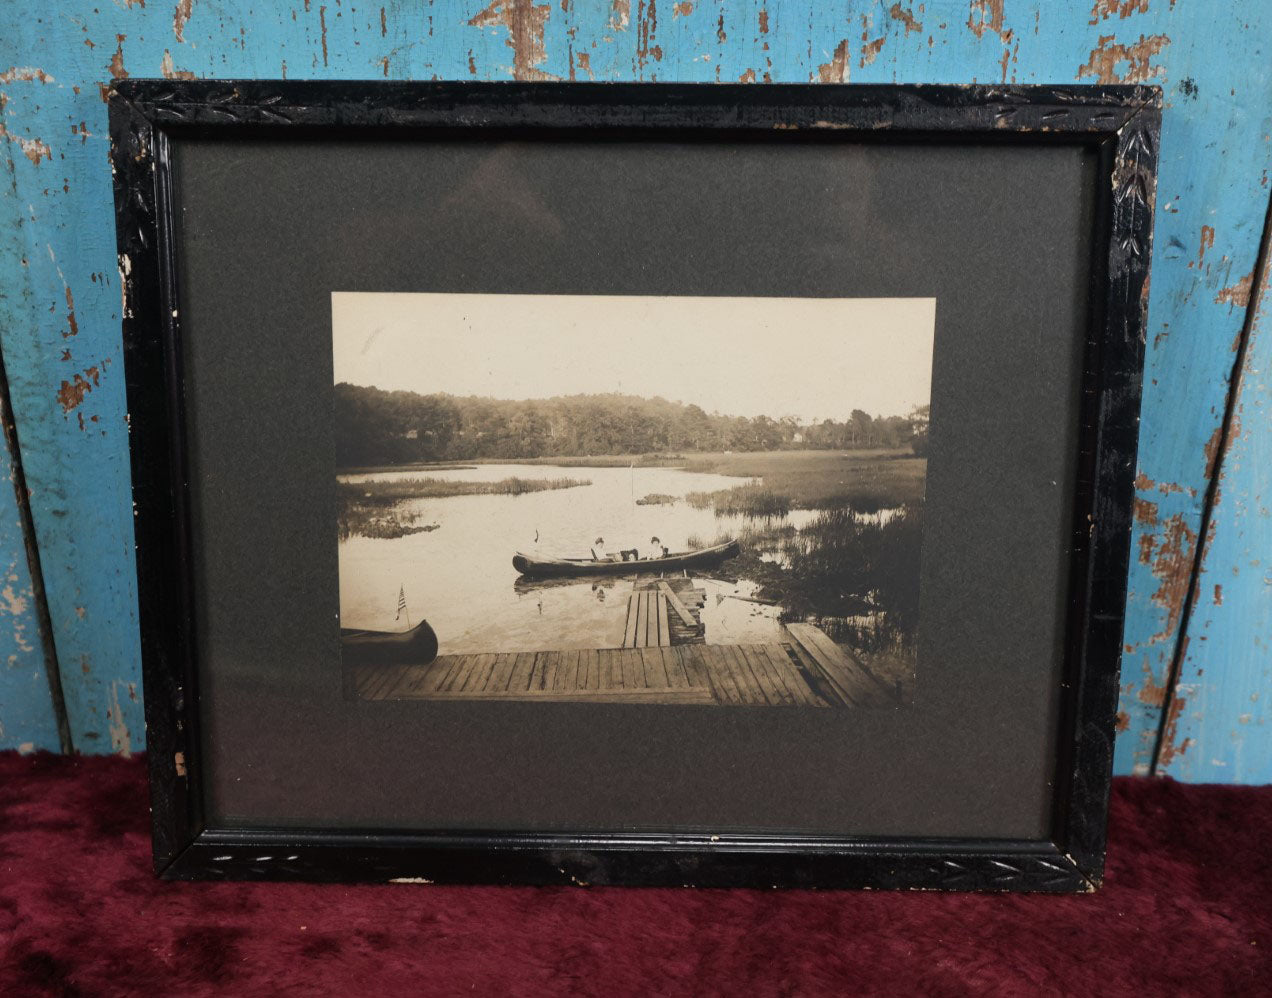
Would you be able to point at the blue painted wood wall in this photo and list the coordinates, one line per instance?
(1199, 631)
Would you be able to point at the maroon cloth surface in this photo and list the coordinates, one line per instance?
(1186, 910)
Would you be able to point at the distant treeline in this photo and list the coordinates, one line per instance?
(375, 427)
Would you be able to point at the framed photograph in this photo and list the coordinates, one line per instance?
(633, 484)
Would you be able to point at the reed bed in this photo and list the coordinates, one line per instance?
(386, 492)
(374, 509)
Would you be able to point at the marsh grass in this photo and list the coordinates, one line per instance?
(373, 509)
(855, 573)
(866, 481)
(848, 566)
(742, 500)
(656, 499)
(426, 466)
(766, 538)
(658, 460)
(384, 493)
(696, 542)
(857, 577)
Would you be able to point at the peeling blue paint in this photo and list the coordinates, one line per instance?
(1211, 197)
(27, 719)
(1219, 727)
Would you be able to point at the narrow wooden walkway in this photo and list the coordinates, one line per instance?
(803, 673)
(663, 612)
(647, 624)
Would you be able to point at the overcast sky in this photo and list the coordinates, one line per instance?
(812, 358)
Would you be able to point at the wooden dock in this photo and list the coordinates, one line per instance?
(662, 612)
(647, 625)
(810, 670)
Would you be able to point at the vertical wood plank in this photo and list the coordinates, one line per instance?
(505, 662)
(568, 673)
(748, 686)
(675, 672)
(633, 670)
(1218, 710)
(719, 673)
(481, 673)
(32, 715)
(655, 674)
(629, 632)
(642, 620)
(522, 667)
(612, 668)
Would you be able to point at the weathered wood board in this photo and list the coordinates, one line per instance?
(59, 313)
(751, 675)
(849, 677)
(1218, 718)
(28, 718)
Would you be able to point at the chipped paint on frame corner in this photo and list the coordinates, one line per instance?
(64, 365)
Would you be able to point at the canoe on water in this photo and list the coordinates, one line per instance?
(417, 646)
(533, 565)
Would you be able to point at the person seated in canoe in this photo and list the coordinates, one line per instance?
(656, 548)
(600, 554)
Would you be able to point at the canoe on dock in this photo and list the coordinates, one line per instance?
(417, 646)
(534, 565)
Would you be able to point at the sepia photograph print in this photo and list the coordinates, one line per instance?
(644, 500)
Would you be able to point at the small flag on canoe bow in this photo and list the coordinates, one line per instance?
(401, 602)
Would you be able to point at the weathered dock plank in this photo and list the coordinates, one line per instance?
(655, 674)
(748, 685)
(714, 663)
(412, 681)
(664, 627)
(784, 668)
(814, 677)
(458, 675)
(633, 670)
(611, 669)
(502, 672)
(674, 602)
(754, 675)
(629, 632)
(651, 695)
(567, 670)
(774, 690)
(676, 675)
(593, 657)
(537, 670)
(642, 620)
(479, 675)
(851, 678)
(521, 669)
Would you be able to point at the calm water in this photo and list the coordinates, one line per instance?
(460, 576)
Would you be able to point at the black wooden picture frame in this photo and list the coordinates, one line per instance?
(1120, 123)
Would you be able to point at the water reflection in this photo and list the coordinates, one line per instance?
(460, 575)
(524, 584)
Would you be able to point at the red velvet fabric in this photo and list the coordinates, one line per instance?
(1187, 910)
